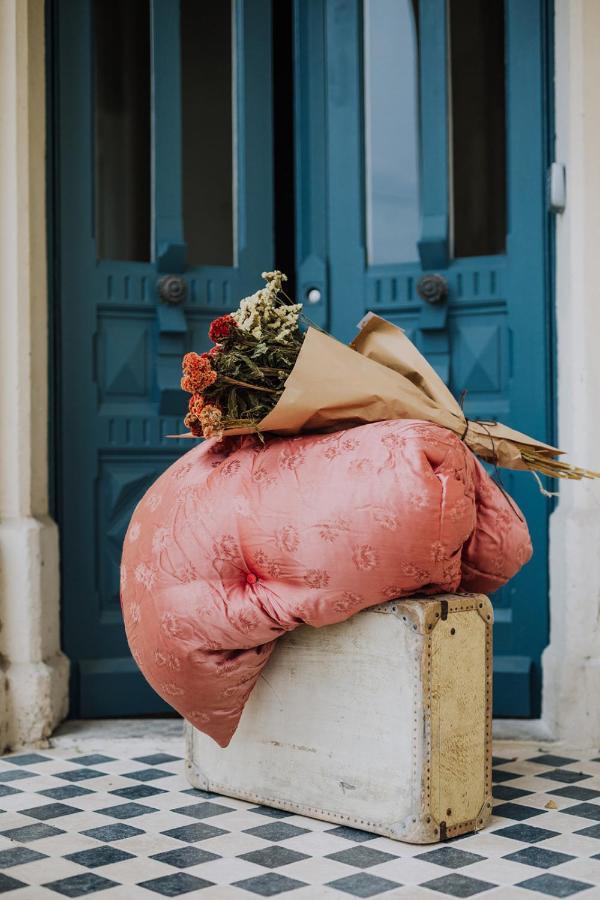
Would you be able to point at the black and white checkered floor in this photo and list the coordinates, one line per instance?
(125, 824)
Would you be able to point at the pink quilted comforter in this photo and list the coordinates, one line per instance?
(237, 543)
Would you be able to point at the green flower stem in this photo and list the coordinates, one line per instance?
(253, 387)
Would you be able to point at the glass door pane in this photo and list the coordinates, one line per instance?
(207, 131)
(121, 46)
(478, 131)
(391, 130)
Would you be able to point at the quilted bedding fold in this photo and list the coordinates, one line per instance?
(237, 543)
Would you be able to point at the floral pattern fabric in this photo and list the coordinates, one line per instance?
(237, 543)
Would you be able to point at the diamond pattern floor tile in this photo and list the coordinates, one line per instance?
(122, 826)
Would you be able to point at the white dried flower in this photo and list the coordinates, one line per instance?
(263, 316)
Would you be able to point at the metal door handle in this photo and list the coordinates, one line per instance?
(172, 289)
(432, 288)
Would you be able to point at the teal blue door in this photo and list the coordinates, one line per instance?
(421, 136)
(410, 141)
(163, 213)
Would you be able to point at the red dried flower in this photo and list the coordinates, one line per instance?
(221, 328)
(198, 373)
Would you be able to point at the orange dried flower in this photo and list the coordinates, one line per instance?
(198, 373)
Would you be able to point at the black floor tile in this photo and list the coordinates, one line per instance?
(361, 857)
(176, 884)
(456, 885)
(554, 885)
(268, 811)
(80, 885)
(27, 833)
(269, 885)
(16, 775)
(363, 884)
(565, 775)
(507, 792)
(528, 834)
(98, 856)
(203, 810)
(147, 774)
(450, 857)
(539, 857)
(352, 834)
(549, 759)
(574, 792)
(126, 810)
(92, 759)
(276, 831)
(196, 792)
(500, 775)
(517, 811)
(592, 831)
(65, 792)
(137, 792)
(109, 833)
(17, 856)
(191, 834)
(8, 883)
(184, 857)
(585, 810)
(81, 774)
(50, 811)
(6, 790)
(25, 759)
(156, 759)
(273, 857)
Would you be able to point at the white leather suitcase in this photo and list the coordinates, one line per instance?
(382, 723)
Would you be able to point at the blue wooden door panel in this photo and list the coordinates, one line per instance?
(120, 345)
(492, 336)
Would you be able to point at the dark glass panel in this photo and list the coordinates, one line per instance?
(478, 116)
(122, 128)
(207, 146)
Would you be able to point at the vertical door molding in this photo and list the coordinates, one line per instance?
(347, 257)
(433, 107)
(167, 217)
(310, 121)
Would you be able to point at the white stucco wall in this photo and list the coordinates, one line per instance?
(33, 672)
(571, 705)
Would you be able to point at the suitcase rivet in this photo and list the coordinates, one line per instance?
(453, 631)
(448, 812)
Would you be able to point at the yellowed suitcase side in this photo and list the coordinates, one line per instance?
(458, 781)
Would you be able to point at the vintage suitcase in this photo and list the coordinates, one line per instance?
(382, 723)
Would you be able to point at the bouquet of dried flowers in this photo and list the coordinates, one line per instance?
(236, 383)
(265, 373)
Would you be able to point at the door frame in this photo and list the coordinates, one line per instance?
(301, 147)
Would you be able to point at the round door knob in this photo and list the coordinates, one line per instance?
(432, 288)
(313, 295)
(172, 288)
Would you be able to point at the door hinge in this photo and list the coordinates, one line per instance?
(557, 188)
